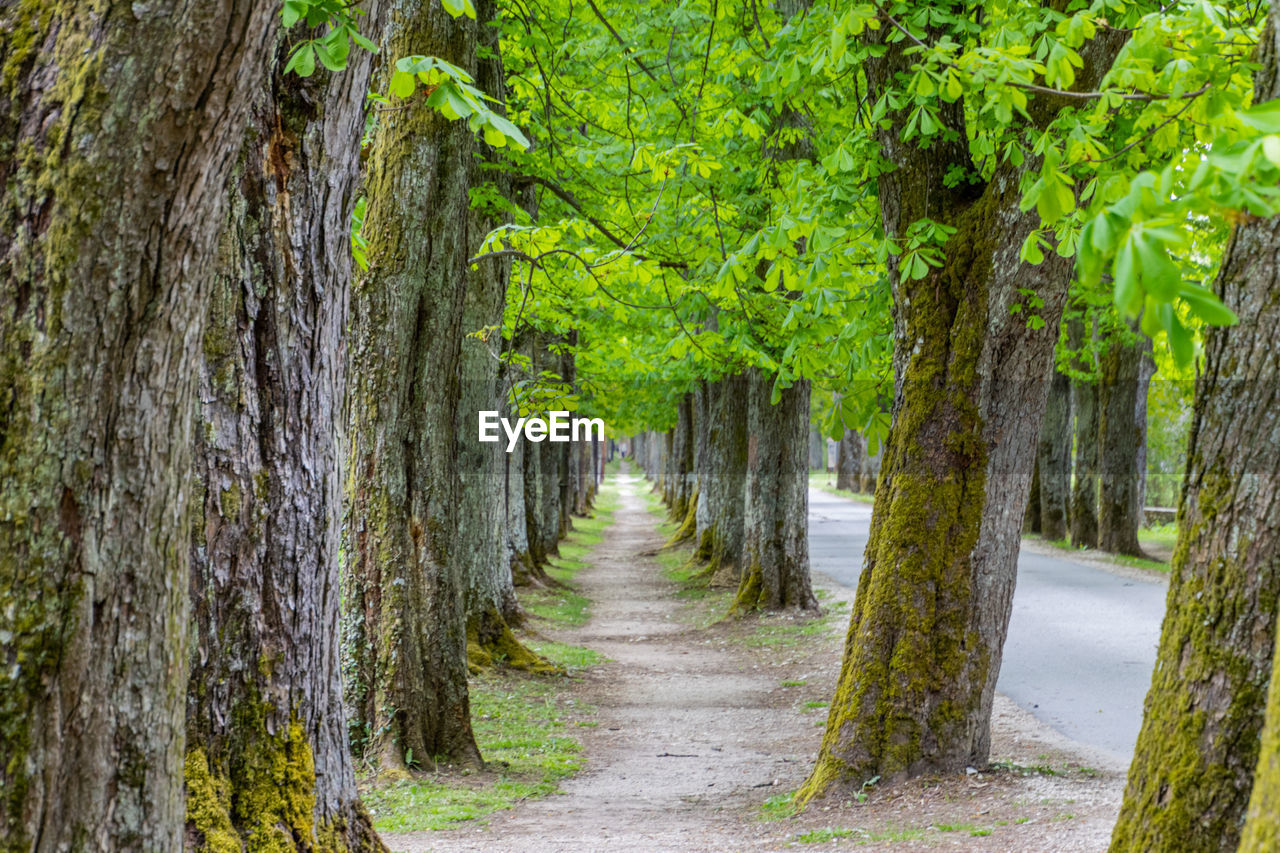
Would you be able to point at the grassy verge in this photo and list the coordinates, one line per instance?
(524, 724)
(824, 482)
(1066, 547)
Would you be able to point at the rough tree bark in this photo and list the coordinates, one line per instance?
(815, 449)
(117, 135)
(404, 588)
(1084, 409)
(267, 763)
(775, 550)
(1119, 437)
(1054, 458)
(720, 538)
(1031, 518)
(849, 461)
(1190, 780)
(480, 538)
(1262, 822)
(971, 377)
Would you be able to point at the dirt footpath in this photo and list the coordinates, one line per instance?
(699, 727)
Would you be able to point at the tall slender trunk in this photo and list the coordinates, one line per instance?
(1119, 437)
(481, 536)
(775, 562)
(267, 760)
(1189, 783)
(849, 461)
(115, 187)
(1146, 373)
(1054, 458)
(1084, 408)
(720, 538)
(815, 449)
(405, 586)
(1031, 518)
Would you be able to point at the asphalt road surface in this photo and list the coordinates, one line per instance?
(1082, 641)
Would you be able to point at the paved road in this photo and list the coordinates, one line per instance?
(1082, 641)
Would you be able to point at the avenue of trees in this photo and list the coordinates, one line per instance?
(265, 260)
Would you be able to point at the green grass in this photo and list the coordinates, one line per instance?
(565, 608)
(1162, 536)
(863, 836)
(820, 836)
(825, 482)
(972, 829)
(791, 683)
(780, 807)
(522, 726)
(1119, 559)
(786, 631)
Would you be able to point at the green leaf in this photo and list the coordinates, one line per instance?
(303, 61)
(402, 84)
(1206, 305)
(1127, 289)
(1160, 275)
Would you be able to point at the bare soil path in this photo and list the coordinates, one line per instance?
(699, 726)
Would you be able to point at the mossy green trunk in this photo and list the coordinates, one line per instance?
(971, 377)
(933, 603)
(1053, 458)
(405, 584)
(267, 759)
(775, 549)
(1120, 436)
(1085, 413)
(115, 129)
(1190, 780)
(1262, 821)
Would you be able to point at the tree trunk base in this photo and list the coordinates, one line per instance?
(490, 642)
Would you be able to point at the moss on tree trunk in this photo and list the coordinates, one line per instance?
(1190, 780)
(405, 585)
(114, 129)
(267, 761)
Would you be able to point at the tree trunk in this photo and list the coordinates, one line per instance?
(775, 571)
(480, 543)
(971, 378)
(1189, 783)
(1119, 436)
(720, 539)
(1146, 372)
(114, 134)
(870, 467)
(1262, 822)
(849, 461)
(404, 587)
(1054, 458)
(267, 761)
(1031, 518)
(815, 449)
(1084, 407)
